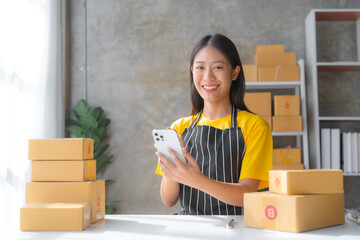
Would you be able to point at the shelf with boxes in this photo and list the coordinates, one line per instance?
(328, 129)
(64, 194)
(292, 78)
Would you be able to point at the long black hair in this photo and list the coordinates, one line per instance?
(226, 47)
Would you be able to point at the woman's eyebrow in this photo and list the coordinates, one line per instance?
(216, 61)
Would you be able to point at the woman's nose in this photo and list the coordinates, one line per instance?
(209, 75)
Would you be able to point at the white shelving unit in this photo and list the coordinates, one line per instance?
(313, 66)
(299, 87)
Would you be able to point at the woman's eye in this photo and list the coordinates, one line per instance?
(199, 67)
(218, 67)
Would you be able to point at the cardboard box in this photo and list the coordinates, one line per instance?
(92, 192)
(268, 120)
(290, 166)
(61, 149)
(293, 213)
(63, 171)
(250, 73)
(259, 103)
(313, 181)
(287, 123)
(288, 105)
(54, 217)
(279, 73)
(286, 155)
(270, 48)
(275, 59)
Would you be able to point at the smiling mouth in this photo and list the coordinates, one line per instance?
(210, 88)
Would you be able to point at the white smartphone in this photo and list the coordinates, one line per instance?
(168, 138)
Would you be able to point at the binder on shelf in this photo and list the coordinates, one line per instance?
(354, 153)
(347, 152)
(335, 148)
(325, 148)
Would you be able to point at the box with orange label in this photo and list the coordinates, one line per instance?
(54, 217)
(270, 48)
(63, 171)
(287, 123)
(286, 155)
(61, 149)
(293, 213)
(290, 166)
(278, 73)
(92, 192)
(275, 59)
(259, 103)
(287, 105)
(312, 181)
(250, 73)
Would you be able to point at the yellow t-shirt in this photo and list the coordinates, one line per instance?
(257, 160)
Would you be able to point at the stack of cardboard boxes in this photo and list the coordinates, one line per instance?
(63, 194)
(272, 63)
(297, 201)
(287, 116)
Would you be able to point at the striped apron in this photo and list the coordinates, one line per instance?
(219, 154)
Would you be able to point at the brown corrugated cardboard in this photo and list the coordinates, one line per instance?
(61, 149)
(286, 155)
(287, 123)
(63, 171)
(54, 217)
(275, 59)
(268, 120)
(287, 105)
(280, 73)
(259, 103)
(293, 213)
(92, 192)
(250, 73)
(313, 181)
(270, 48)
(290, 166)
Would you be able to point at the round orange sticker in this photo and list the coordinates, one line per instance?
(270, 212)
(287, 105)
(277, 182)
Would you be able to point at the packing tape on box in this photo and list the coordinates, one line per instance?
(277, 72)
(269, 206)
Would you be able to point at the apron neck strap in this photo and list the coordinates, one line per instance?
(233, 118)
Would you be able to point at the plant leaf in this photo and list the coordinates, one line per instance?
(102, 161)
(76, 131)
(98, 112)
(70, 121)
(104, 122)
(86, 117)
(101, 150)
(109, 182)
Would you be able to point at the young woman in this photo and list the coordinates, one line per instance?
(228, 149)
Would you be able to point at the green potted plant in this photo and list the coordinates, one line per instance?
(91, 123)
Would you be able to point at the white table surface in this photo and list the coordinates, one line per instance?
(181, 227)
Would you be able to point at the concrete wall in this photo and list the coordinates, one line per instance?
(138, 59)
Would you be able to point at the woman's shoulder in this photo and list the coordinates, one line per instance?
(182, 123)
(250, 120)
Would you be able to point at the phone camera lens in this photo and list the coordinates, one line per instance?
(155, 134)
(161, 136)
(157, 139)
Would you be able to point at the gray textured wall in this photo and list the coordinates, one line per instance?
(138, 52)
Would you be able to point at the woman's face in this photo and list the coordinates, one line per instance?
(213, 75)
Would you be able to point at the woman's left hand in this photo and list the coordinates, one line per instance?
(185, 173)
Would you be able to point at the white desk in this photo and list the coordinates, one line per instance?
(182, 227)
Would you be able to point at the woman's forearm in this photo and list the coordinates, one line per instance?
(169, 191)
(230, 193)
